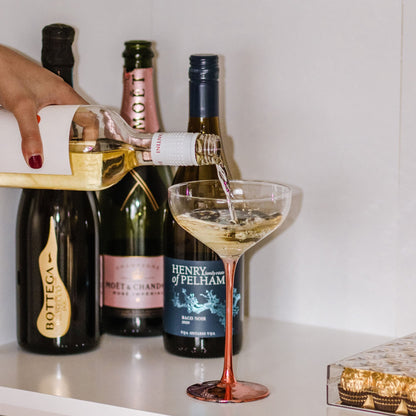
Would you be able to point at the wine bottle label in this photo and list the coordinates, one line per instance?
(134, 282)
(174, 149)
(139, 104)
(55, 316)
(195, 298)
(54, 126)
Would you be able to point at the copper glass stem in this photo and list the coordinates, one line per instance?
(228, 374)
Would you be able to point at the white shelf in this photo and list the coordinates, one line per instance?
(134, 376)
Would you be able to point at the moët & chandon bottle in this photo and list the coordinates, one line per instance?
(132, 215)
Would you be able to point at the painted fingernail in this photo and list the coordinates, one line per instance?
(35, 161)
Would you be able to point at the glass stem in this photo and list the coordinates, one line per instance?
(227, 377)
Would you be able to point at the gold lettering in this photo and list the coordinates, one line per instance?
(55, 316)
(138, 107)
(137, 93)
(138, 123)
(133, 80)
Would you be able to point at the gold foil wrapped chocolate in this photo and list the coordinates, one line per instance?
(411, 391)
(388, 385)
(356, 381)
(411, 398)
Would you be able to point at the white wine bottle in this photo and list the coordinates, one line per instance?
(132, 213)
(57, 248)
(102, 149)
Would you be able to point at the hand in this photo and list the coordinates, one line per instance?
(25, 88)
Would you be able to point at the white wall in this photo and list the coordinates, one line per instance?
(319, 94)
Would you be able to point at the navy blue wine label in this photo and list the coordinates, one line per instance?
(194, 303)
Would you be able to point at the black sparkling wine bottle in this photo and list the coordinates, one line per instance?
(57, 248)
(194, 304)
(132, 215)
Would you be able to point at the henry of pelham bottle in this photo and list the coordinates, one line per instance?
(102, 149)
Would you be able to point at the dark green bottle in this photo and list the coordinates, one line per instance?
(132, 215)
(57, 248)
(193, 327)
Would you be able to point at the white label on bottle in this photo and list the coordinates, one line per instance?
(174, 149)
(134, 282)
(54, 125)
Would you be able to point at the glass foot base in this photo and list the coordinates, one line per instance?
(215, 391)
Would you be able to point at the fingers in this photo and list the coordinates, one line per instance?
(26, 116)
(90, 124)
(27, 119)
(25, 88)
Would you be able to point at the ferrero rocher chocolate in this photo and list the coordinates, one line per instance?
(388, 385)
(411, 391)
(356, 381)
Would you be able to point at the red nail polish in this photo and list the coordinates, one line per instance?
(35, 161)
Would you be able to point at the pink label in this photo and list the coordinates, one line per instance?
(138, 106)
(133, 282)
(101, 280)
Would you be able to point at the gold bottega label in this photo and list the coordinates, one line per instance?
(55, 316)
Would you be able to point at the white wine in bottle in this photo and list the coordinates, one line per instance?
(102, 149)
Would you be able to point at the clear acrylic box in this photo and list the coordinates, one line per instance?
(381, 379)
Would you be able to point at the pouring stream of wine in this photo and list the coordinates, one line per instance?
(225, 183)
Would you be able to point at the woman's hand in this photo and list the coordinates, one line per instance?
(25, 88)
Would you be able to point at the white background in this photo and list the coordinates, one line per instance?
(318, 94)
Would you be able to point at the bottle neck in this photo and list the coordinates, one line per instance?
(203, 118)
(103, 128)
(137, 54)
(207, 125)
(65, 72)
(138, 106)
(57, 54)
(203, 98)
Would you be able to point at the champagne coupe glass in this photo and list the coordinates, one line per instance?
(229, 225)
